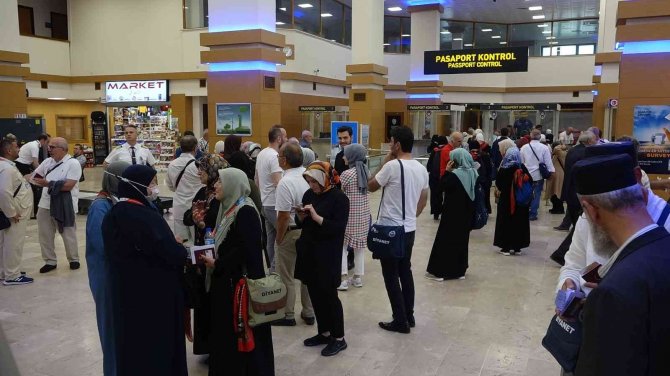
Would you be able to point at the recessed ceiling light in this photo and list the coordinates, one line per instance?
(495, 37)
(535, 8)
(306, 5)
(387, 44)
(282, 9)
(467, 45)
(538, 17)
(503, 42)
(458, 39)
(546, 32)
(326, 15)
(406, 35)
(279, 23)
(445, 32)
(487, 30)
(57, 99)
(551, 37)
(543, 25)
(553, 42)
(394, 9)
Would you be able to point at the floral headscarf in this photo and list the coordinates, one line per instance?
(324, 174)
(211, 164)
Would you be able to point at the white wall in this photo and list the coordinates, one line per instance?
(313, 53)
(555, 71)
(9, 27)
(42, 13)
(399, 68)
(47, 56)
(125, 36)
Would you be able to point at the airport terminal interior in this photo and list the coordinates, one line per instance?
(85, 69)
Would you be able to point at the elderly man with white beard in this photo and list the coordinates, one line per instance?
(626, 330)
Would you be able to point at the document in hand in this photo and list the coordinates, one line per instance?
(201, 250)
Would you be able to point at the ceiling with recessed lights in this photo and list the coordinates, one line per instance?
(506, 11)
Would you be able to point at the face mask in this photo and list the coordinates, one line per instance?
(154, 194)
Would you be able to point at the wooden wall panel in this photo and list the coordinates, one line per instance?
(12, 99)
(645, 75)
(182, 109)
(601, 103)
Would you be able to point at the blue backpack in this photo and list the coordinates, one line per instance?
(523, 187)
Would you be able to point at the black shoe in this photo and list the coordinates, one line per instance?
(74, 265)
(308, 320)
(334, 347)
(561, 228)
(552, 211)
(436, 217)
(316, 340)
(394, 327)
(560, 261)
(411, 321)
(284, 322)
(47, 268)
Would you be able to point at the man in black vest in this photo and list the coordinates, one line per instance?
(625, 318)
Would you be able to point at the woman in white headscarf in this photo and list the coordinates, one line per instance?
(238, 253)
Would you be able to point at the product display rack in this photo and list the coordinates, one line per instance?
(153, 131)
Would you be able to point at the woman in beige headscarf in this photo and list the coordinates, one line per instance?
(555, 183)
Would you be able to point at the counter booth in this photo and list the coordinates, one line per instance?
(317, 120)
(427, 120)
(490, 117)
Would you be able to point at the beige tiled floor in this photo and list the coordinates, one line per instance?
(489, 324)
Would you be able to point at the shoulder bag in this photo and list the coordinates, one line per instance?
(544, 171)
(564, 339)
(389, 241)
(176, 184)
(4, 221)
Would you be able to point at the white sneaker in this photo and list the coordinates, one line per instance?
(357, 282)
(344, 286)
(432, 277)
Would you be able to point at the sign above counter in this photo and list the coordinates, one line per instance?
(136, 91)
(316, 108)
(485, 60)
(519, 107)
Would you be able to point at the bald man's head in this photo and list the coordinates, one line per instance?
(456, 139)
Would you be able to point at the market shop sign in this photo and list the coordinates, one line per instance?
(136, 91)
(489, 60)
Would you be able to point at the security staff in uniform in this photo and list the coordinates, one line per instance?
(131, 151)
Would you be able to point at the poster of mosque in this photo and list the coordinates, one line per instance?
(651, 127)
(233, 119)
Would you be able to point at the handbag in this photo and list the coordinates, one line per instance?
(267, 299)
(544, 171)
(563, 341)
(4, 221)
(388, 241)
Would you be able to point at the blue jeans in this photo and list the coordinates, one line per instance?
(537, 191)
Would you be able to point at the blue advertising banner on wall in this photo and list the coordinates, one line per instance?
(651, 126)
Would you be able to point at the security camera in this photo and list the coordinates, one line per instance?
(316, 71)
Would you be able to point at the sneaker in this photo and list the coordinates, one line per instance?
(47, 268)
(22, 280)
(505, 252)
(74, 265)
(432, 277)
(561, 228)
(316, 340)
(344, 286)
(334, 347)
(357, 282)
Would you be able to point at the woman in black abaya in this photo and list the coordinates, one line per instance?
(449, 256)
(146, 266)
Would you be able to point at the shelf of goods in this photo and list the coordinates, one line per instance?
(152, 132)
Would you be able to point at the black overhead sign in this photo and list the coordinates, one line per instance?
(520, 107)
(428, 107)
(316, 108)
(489, 60)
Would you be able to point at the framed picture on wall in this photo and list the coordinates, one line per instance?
(233, 119)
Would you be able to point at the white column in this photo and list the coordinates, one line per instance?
(607, 25)
(367, 44)
(9, 27)
(425, 37)
(229, 15)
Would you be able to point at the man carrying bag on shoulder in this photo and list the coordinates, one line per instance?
(405, 184)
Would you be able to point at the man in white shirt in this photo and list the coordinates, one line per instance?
(28, 161)
(16, 203)
(398, 272)
(183, 179)
(268, 174)
(60, 167)
(566, 137)
(131, 151)
(532, 155)
(290, 190)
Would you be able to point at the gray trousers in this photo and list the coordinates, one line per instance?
(270, 215)
(285, 262)
(47, 228)
(11, 248)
